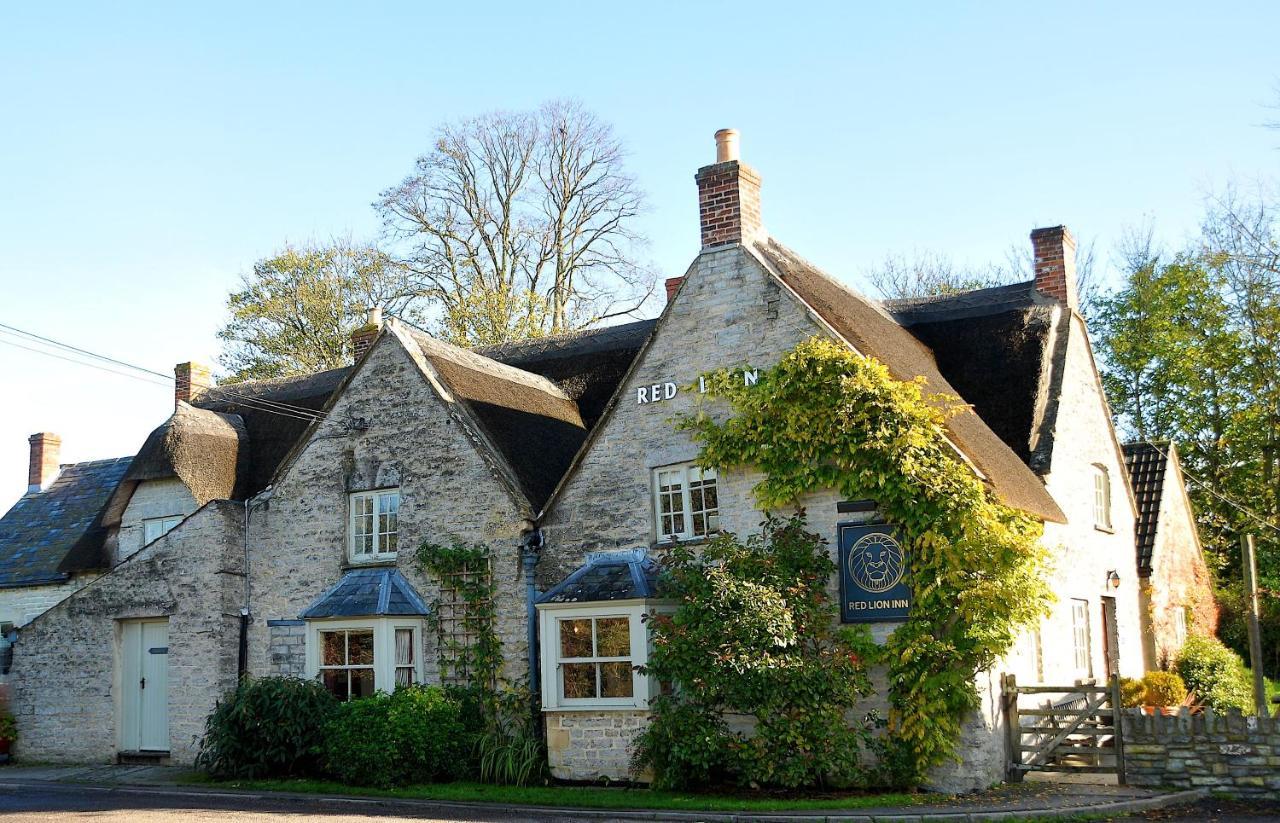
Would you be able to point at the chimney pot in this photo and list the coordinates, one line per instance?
(43, 467)
(190, 380)
(1054, 252)
(726, 145)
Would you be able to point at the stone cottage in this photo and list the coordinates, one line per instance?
(271, 527)
(1176, 589)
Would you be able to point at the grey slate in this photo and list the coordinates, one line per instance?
(43, 528)
(607, 576)
(368, 593)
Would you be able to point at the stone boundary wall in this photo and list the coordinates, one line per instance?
(1228, 753)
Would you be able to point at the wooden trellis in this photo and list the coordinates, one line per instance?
(457, 621)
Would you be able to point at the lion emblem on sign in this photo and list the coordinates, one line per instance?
(875, 563)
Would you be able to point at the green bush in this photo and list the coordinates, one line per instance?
(509, 749)
(1215, 673)
(415, 735)
(266, 727)
(1163, 689)
(1132, 692)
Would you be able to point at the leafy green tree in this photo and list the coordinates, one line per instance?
(294, 313)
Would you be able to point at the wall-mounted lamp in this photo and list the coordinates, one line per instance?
(1113, 579)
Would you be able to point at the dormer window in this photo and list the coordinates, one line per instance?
(1101, 498)
(374, 530)
(153, 528)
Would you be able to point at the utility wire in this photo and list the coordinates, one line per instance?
(1225, 499)
(149, 376)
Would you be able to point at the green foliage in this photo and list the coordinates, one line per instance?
(295, 312)
(753, 636)
(827, 418)
(1163, 689)
(1215, 673)
(415, 735)
(509, 748)
(8, 726)
(1132, 692)
(266, 727)
(466, 568)
(1233, 626)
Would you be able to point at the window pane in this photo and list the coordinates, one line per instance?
(388, 521)
(360, 648)
(361, 682)
(579, 680)
(615, 680)
(404, 647)
(150, 530)
(404, 676)
(575, 638)
(613, 637)
(335, 680)
(332, 649)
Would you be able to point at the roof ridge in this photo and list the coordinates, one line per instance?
(929, 299)
(96, 461)
(471, 359)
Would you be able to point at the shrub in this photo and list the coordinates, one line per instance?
(1132, 692)
(509, 748)
(1163, 689)
(415, 735)
(266, 727)
(1215, 673)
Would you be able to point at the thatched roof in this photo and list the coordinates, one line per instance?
(870, 329)
(204, 449)
(50, 534)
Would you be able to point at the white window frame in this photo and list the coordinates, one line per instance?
(384, 646)
(549, 617)
(1179, 627)
(374, 496)
(164, 525)
(1101, 497)
(1081, 638)
(689, 473)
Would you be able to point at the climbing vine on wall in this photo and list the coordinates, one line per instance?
(828, 418)
(464, 615)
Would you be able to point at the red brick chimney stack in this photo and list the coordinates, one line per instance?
(1054, 250)
(728, 196)
(363, 337)
(190, 380)
(673, 286)
(43, 468)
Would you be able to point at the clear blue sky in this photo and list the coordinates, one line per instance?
(149, 153)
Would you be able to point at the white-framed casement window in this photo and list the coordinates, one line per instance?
(153, 528)
(374, 526)
(1101, 497)
(590, 653)
(357, 657)
(1080, 640)
(686, 502)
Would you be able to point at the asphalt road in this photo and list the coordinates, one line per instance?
(63, 804)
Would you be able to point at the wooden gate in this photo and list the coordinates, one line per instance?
(1064, 728)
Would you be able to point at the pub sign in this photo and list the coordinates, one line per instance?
(872, 567)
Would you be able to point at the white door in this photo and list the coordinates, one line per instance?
(144, 708)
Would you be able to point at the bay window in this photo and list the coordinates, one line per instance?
(590, 653)
(355, 658)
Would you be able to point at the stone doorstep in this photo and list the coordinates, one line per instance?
(1127, 806)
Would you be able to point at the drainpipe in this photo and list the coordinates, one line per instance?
(246, 611)
(530, 548)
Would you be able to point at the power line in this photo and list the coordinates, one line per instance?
(149, 376)
(1225, 499)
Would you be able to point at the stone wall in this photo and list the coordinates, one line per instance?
(22, 604)
(65, 677)
(152, 498)
(288, 648)
(1223, 753)
(592, 745)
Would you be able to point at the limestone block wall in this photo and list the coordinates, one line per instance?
(408, 439)
(22, 604)
(152, 498)
(66, 679)
(288, 648)
(593, 745)
(1228, 753)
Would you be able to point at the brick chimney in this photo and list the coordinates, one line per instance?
(673, 286)
(728, 196)
(190, 380)
(1054, 250)
(43, 468)
(363, 337)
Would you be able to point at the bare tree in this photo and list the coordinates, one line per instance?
(518, 224)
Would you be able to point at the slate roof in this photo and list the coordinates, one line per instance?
(531, 421)
(607, 576)
(367, 593)
(49, 534)
(1147, 468)
(872, 330)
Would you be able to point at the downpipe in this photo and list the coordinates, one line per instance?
(258, 501)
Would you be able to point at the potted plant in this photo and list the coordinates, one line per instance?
(8, 733)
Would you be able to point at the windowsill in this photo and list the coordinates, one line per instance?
(1104, 529)
(667, 543)
(602, 707)
(366, 564)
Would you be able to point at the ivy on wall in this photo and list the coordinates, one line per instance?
(470, 650)
(828, 418)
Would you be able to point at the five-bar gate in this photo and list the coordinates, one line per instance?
(1064, 728)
